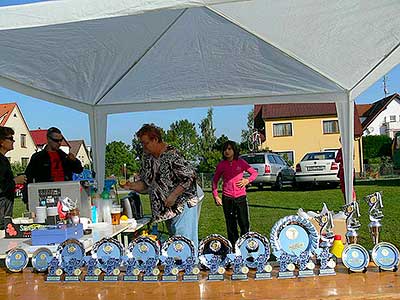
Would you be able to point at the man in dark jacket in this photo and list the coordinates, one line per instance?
(52, 164)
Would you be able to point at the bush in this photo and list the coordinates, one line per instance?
(376, 146)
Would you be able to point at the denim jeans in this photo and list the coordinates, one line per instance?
(185, 224)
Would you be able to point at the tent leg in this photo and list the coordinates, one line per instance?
(345, 111)
(98, 133)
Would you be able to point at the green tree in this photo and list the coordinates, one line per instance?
(183, 136)
(118, 154)
(208, 138)
(376, 146)
(220, 142)
(17, 168)
(209, 161)
(246, 133)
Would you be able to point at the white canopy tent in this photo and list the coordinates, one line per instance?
(103, 57)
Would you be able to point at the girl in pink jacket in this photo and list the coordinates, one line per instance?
(234, 200)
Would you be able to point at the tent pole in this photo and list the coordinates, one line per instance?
(98, 132)
(345, 110)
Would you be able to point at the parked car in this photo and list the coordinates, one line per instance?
(317, 168)
(272, 170)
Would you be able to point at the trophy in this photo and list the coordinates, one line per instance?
(174, 254)
(385, 256)
(255, 250)
(146, 253)
(71, 253)
(16, 260)
(239, 268)
(355, 258)
(108, 252)
(213, 254)
(41, 259)
(375, 205)
(54, 271)
(131, 272)
(325, 221)
(351, 210)
(191, 271)
(294, 240)
(93, 270)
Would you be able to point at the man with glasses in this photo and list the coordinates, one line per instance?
(7, 179)
(52, 164)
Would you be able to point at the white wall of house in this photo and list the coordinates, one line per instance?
(24, 146)
(83, 156)
(387, 122)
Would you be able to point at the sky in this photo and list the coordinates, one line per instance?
(228, 120)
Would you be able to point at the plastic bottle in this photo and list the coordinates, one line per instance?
(105, 195)
(94, 214)
(337, 247)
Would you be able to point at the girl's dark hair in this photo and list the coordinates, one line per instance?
(234, 148)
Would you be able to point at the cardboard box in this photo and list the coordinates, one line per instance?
(51, 234)
(339, 228)
(13, 230)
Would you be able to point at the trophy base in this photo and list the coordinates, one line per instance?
(239, 277)
(263, 276)
(53, 278)
(216, 277)
(306, 273)
(72, 278)
(285, 275)
(110, 278)
(91, 278)
(190, 277)
(169, 278)
(130, 278)
(150, 278)
(327, 272)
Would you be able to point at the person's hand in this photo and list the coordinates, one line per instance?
(170, 201)
(20, 179)
(71, 156)
(218, 201)
(242, 183)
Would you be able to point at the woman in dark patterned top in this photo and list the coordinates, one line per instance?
(170, 181)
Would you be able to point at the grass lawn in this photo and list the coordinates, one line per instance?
(267, 207)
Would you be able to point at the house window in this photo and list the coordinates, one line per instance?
(392, 118)
(283, 129)
(331, 127)
(287, 155)
(23, 140)
(24, 161)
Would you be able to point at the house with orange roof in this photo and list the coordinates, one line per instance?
(24, 146)
(298, 128)
(381, 117)
(79, 149)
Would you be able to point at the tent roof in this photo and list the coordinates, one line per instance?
(102, 57)
(130, 58)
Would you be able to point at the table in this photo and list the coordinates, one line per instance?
(98, 232)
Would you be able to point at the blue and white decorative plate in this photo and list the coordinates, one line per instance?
(179, 248)
(355, 258)
(214, 244)
(250, 246)
(385, 256)
(41, 259)
(16, 260)
(71, 254)
(293, 235)
(106, 249)
(143, 248)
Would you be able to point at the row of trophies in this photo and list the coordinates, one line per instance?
(294, 241)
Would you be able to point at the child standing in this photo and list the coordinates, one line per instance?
(234, 200)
